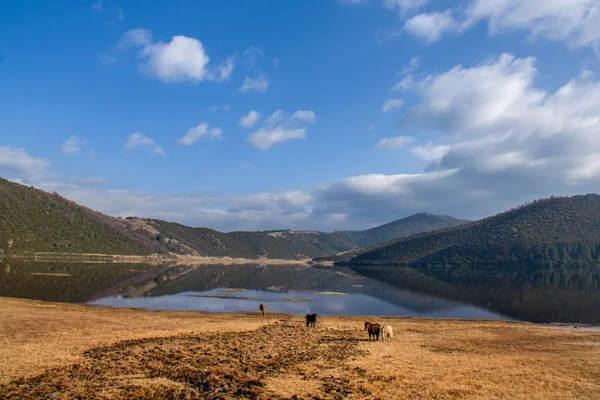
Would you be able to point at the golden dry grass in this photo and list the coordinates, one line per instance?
(36, 335)
(106, 353)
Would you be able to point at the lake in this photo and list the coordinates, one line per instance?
(289, 289)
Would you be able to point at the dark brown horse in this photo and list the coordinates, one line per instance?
(263, 310)
(311, 320)
(373, 329)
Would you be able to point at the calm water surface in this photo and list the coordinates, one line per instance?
(354, 302)
(299, 290)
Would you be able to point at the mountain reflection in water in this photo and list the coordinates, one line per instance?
(295, 290)
(351, 303)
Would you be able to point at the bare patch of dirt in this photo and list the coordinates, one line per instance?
(209, 366)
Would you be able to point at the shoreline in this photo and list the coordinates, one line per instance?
(152, 259)
(588, 326)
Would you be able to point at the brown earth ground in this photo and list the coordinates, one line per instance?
(65, 351)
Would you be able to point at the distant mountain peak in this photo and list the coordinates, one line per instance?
(411, 225)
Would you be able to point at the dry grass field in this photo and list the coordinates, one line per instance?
(63, 351)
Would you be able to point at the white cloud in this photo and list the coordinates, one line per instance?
(249, 212)
(225, 69)
(138, 139)
(431, 26)
(391, 105)
(251, 56)
(469, 99)
(138, 37)
(295, 200)
(430, 151)
(197, 132)
(264, 139)
(16, 163)
(506, 142)
(274, 118)
(278, 128)
(407, 83)
(506, 133)
(396, 5)
(404, 5)
(576, 22)
(224, 107)
(72, 145)
(413, 64)
(120, 14)
(182, 59)
(395, 142)
(259, 84)
(248, 121)
(306, 116)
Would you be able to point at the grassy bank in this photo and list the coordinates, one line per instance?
(105, 353)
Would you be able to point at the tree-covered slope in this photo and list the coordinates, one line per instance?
(34, 220)
(37, 221)
(554, 231)
(414, 224)
(270, 244)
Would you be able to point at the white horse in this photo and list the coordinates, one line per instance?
(388, 332)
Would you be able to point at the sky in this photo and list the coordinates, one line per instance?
(301, 114)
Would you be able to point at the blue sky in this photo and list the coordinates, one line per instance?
(356, 112)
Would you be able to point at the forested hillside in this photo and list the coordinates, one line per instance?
(558, 231)
(270, 244)
(414, 224)
(37, 221)
(34, 220)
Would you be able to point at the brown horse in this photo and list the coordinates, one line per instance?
(311, 320)
(373, 329)
(263, 310)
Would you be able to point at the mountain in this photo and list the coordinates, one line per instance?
(284, 244)
(34, 220)
(414, 224)
(37, 221)
(554, 232)
(380, 236)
